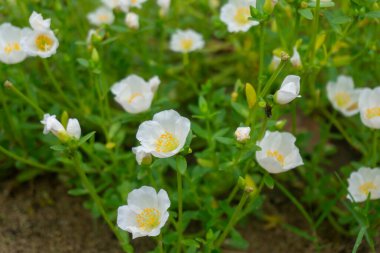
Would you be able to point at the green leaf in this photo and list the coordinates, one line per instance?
(202, 103)
(86, 137)
(225, 140)
(268, 181)
(372, 14)
(83, 62)
(77, 192)
(181, 164)
(306, 13)
(58, 147)
(242, 110)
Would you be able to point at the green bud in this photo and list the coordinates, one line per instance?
(95, 55)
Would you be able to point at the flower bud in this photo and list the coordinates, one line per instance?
(269, 6)
(251, 95)
(132, 20)
(142, 157)
(242, 134)
(289, 90)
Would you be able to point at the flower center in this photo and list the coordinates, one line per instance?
(166, 142)
(133, 97)
(133, 1)
(10, 47)
(342, 98)
(276, 155)
(148, 219)
(103, 18)
(186, 44)
(44, 42)
(367, 187)
(373, 112)
(241, 15)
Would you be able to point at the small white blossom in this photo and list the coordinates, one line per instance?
(369, 107)
(242, 134)
(185, 41)
(136, 3)
(142, 157)
(146, 212)
(296, 58)
(343, 95)
(363, 182)
(164, 6)
(165, 135)
(132, 20)
(100, 16)
(112, 4)
(11, 50)
(278, 152)
(51, 124)
(289, 90)
(37, 22)
(236, 13)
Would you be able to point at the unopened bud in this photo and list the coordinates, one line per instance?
(234, 96)
(284, 56)
(8, 84)
(304, 5)
(95, 55)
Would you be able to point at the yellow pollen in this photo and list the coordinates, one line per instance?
(103, 18)
(241, 15)
(133, 1)
(367, 187)
(342, 98)
(133, 97)
(186, 44)
(373, 112)
(166, 143)
(44, 42)
(148, 219)
(10, 47)
(276, 155)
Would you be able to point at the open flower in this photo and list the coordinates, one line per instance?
(113, 4)
(236, 13)
(132, 20)
(142, 157)
(51, 124)
(343, 95)
(41, 41)
(363, 182)
(289, 90)
(100, 16)
(134, 94)
(186, 41)
(242, 134)
(278, 152)
(165, 135)
(11, 51)
(164, 6)
(136, 3)
(369, 106)
(146, 212)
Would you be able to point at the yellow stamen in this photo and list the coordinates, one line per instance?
(44, 42)
(241, 15)
(148, 219)
(367, 187)
(103, 18)
(186, 44)
(342, 98)
(166, 143)
(133, 1)
(373, 112)
(276, 155)
(133, 97)
(10, 47)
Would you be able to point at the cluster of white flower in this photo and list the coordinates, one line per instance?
(16, 44)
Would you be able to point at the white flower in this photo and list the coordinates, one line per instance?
(134, 94)
(164, 6)
(296, 58)
(165, 135)
(112, 4)
(40, 43)
(146, 212)
(278, 152)
(274, 63)
(100, 16)
(235, 14)
(37, 22)
(185, 41)
(343, 95)
(142, 157)
(369, 106)
(289, 90)
(132, 20)
(363, 182)
(242, 134)
(11, 50)
(136, 3)
(51, 124)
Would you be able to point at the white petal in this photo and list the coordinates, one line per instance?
(73, 128)
(38, 23)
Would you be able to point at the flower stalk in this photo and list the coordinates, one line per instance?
(179, 223)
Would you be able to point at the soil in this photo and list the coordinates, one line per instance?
(40, 217)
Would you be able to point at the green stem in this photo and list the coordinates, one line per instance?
(374, 147)
(314, 32)
(261, 55)
(294, 117)
(233, 219)
(160, 243)
(91, 190)
(13, 88)
(274, 76)
(263, 128)
(179, 223)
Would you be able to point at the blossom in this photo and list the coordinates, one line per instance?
(112, 4)
(369, 107)
(41, 41)
(142, 157)
(343, 96)
(278, 152)
(363, 182)
(136, 3)
(51, 124)
(185, 41)
(296, 58)
(165, 135)
(134, 94)
(11, 51)
(100, 16)
(236, 13)
(242, 134)
(164, 6)
(146, 212)
(289, 90)
(132, 20)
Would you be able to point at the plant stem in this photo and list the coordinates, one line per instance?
(233, 219)
(273, 77)
(312, 49)
(179, 223)
(374, 147)
(261, 55)
(160, 243)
